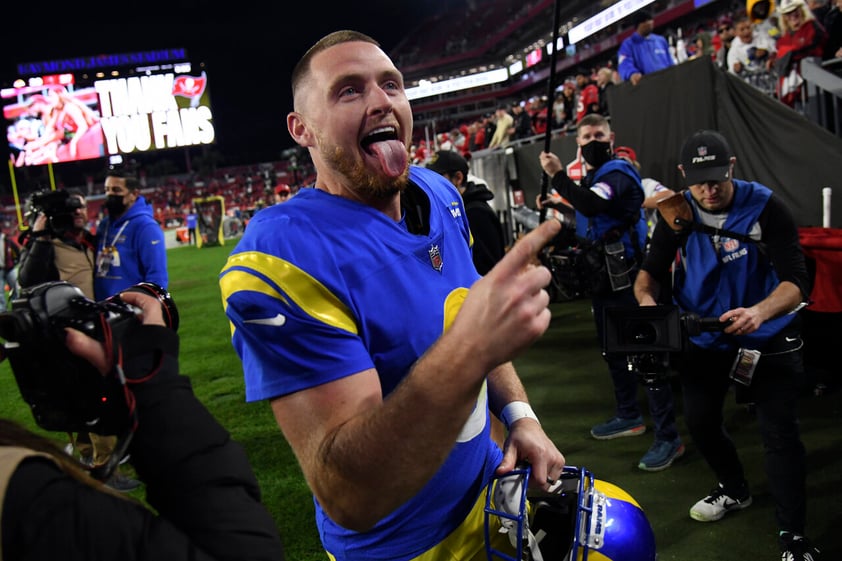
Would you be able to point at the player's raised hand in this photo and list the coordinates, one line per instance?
(506, 310)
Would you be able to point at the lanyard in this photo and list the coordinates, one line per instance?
(116, 236)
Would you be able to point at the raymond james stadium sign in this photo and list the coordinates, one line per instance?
(101, 61)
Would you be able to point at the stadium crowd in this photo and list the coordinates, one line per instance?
(765, 51)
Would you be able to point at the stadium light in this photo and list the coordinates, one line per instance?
(559, 45)
(605, 18)
(425, 88)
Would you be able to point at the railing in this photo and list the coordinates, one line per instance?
(823, 81)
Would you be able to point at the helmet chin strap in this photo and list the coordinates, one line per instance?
(510, 498)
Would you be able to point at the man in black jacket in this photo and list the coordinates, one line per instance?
(486, 230)
(198, 480)
(522, 126)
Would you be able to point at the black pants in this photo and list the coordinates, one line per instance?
(626, 383)
(774, 390)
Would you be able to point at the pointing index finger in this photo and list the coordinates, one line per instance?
(526, 249)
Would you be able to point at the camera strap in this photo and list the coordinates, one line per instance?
(712, 231)
(141, 348)
(103, 472)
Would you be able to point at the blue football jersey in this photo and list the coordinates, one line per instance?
(323, 287)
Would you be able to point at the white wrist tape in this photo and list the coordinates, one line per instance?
(515, 411)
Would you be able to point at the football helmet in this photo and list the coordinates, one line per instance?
(581, 518)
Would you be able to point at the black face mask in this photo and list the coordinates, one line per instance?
(596, 153)
(115, 205)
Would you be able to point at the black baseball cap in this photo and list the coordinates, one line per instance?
(706, 156)
(448, 161)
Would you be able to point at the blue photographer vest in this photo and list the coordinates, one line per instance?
(712, 278)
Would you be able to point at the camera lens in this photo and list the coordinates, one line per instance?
(642, 333)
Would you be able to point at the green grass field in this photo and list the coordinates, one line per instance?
(570, 390)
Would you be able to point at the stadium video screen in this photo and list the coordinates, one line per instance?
(75, 116)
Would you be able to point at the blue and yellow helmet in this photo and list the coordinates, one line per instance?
(581, 519)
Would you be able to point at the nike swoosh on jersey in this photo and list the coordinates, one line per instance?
(278, 320)
(791, 339)
(154, 242)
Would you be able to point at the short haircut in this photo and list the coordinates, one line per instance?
(594, 120)
(302, 68)
(640, 16)
(132, 182)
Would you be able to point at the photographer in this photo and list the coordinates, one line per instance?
(739, 260)
(59, 247)
(198, 480)
(610, 197)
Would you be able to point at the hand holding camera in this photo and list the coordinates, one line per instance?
(648, 335)
(60, 344)
(40, 224)
(149, 312)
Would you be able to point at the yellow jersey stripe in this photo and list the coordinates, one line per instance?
(307, 292)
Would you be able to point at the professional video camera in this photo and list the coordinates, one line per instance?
(58, 206)
(649, 335)
(65, 392)
(566, 256)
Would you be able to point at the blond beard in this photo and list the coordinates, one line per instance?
(362, 181)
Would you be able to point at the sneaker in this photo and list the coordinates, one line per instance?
(661, 455)
(617, 427)
(797, 548)
(122, 483)
(718, 504)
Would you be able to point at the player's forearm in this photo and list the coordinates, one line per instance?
(504, 387)
(366, 461)
(440, 402)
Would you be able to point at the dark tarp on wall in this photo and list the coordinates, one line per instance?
(529, 173)
(774, 145)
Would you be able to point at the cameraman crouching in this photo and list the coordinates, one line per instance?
(59, 247)
(739, 260)
(197, 479)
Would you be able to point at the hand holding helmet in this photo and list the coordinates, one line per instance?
(581, 515)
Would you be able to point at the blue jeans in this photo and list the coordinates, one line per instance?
(659, 396)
